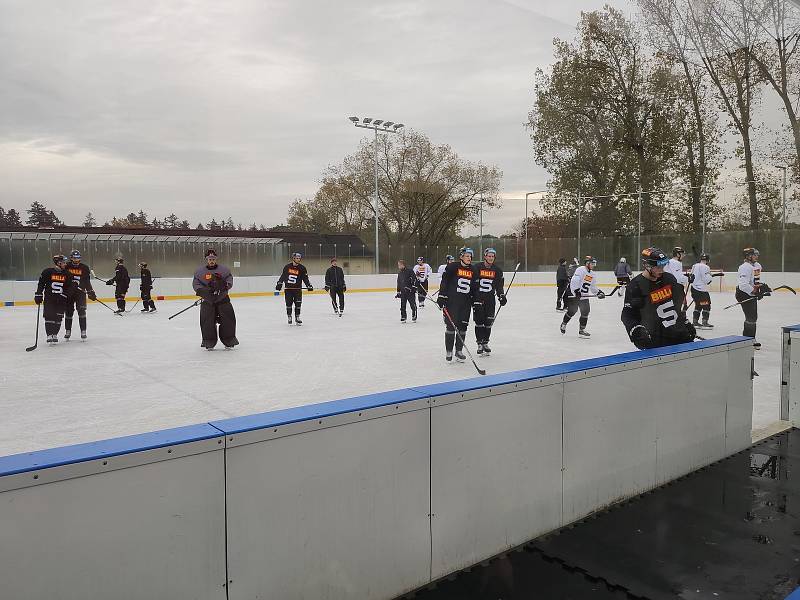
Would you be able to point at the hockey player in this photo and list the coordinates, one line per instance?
(407, 283)
(423, 271)
(122, 281)
(675, 266)
(623, 274)
(447, 260)
(211, 282)
(701, 279)
(562, 283)
(146, 288)
(81, 275)
(582, 284)
(488, 283)
(749, 286)
(56, 288)
(653, 312)
(455, 299)
(335, 286)
(294, 275)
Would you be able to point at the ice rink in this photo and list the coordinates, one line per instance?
(141, 372)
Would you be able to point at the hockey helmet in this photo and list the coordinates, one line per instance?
(210, 252)
(119, 259)
(464, 251)
(490, 251)
(142, 265)
(75, 255)
(420, 259)
(623, 259)
(748, 252)
(678, 250)
(59, 258)
(589, 260)
(654, 257)
(449, 258)
(705, 256)
(296, 255)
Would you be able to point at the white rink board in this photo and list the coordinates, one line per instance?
(367, 497)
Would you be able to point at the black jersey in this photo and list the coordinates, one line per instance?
(147, 278)
(294, 276)
(81, 274)
(488, 280)
(121, 278)
(658, 305)
(458, 281)
(57, 285)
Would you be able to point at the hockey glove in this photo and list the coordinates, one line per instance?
(92, 295)
(279, 286)
(110, 282)
(327, 288)
(311, 288)
(600, 294)
(397, 295)
(690, 277)
(441, 301)
(502, 299)
(38, 298)
(764, 290)
(691, 332)
(641, 337)
(344, 288)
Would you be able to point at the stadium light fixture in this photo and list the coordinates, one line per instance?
(383, 126)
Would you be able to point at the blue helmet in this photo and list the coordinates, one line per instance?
(75, 254)
(464, 251)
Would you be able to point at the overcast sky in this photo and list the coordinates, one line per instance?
(210, 109)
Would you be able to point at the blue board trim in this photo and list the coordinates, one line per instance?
(791, 328)
(795, 595)
(56, 457)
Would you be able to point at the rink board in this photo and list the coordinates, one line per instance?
(366, 497)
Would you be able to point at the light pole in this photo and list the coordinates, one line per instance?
(525, 223)
(783, 228)
(386, 127)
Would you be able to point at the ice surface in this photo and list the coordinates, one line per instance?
(141, 372)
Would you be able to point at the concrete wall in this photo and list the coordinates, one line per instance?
(367, 497)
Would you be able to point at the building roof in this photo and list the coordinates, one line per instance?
(214, 236)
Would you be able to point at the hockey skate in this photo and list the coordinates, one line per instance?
(706, 325)
(449, 357)
(67, 335)
(460, 357)
(297, 320)
(414, 318)
(52, 339)
(402, 320)
(486, 350)
(83, 335)
(480, 348)
(584, 333)
(563, 327)
(290, 320)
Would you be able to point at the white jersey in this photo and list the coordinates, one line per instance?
(584, 281)
(441, 269)
(749, 275)
(423, 271)
(702, 277)
(675, 267)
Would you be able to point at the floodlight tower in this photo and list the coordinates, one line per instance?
(384, 127)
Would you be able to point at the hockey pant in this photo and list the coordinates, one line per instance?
(337, 293)
(483, 315)
(53, 313)
(220, 313)
(293, 297)
(573, 304)
(408, 296)
(422, 290)
(750, 310)
(561, 289)
(147, 299)
(119, 294)
(459, 312)
(702, 304)
(79, 304)
(623, 279)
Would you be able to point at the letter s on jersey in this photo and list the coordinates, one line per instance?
(666, 312)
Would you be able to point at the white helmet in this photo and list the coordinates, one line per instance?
(622, 259)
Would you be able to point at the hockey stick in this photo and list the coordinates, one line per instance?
(107, 306)
(614, 291)
(463, 344)
(510, 283)
(192, 305)
(134, 305)
(36, 342)
(780, 287)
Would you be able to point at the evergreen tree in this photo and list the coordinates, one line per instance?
(89, 220)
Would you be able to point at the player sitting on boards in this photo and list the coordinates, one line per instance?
(653, 308)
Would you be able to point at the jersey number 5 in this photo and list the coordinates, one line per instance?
(666, 312)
